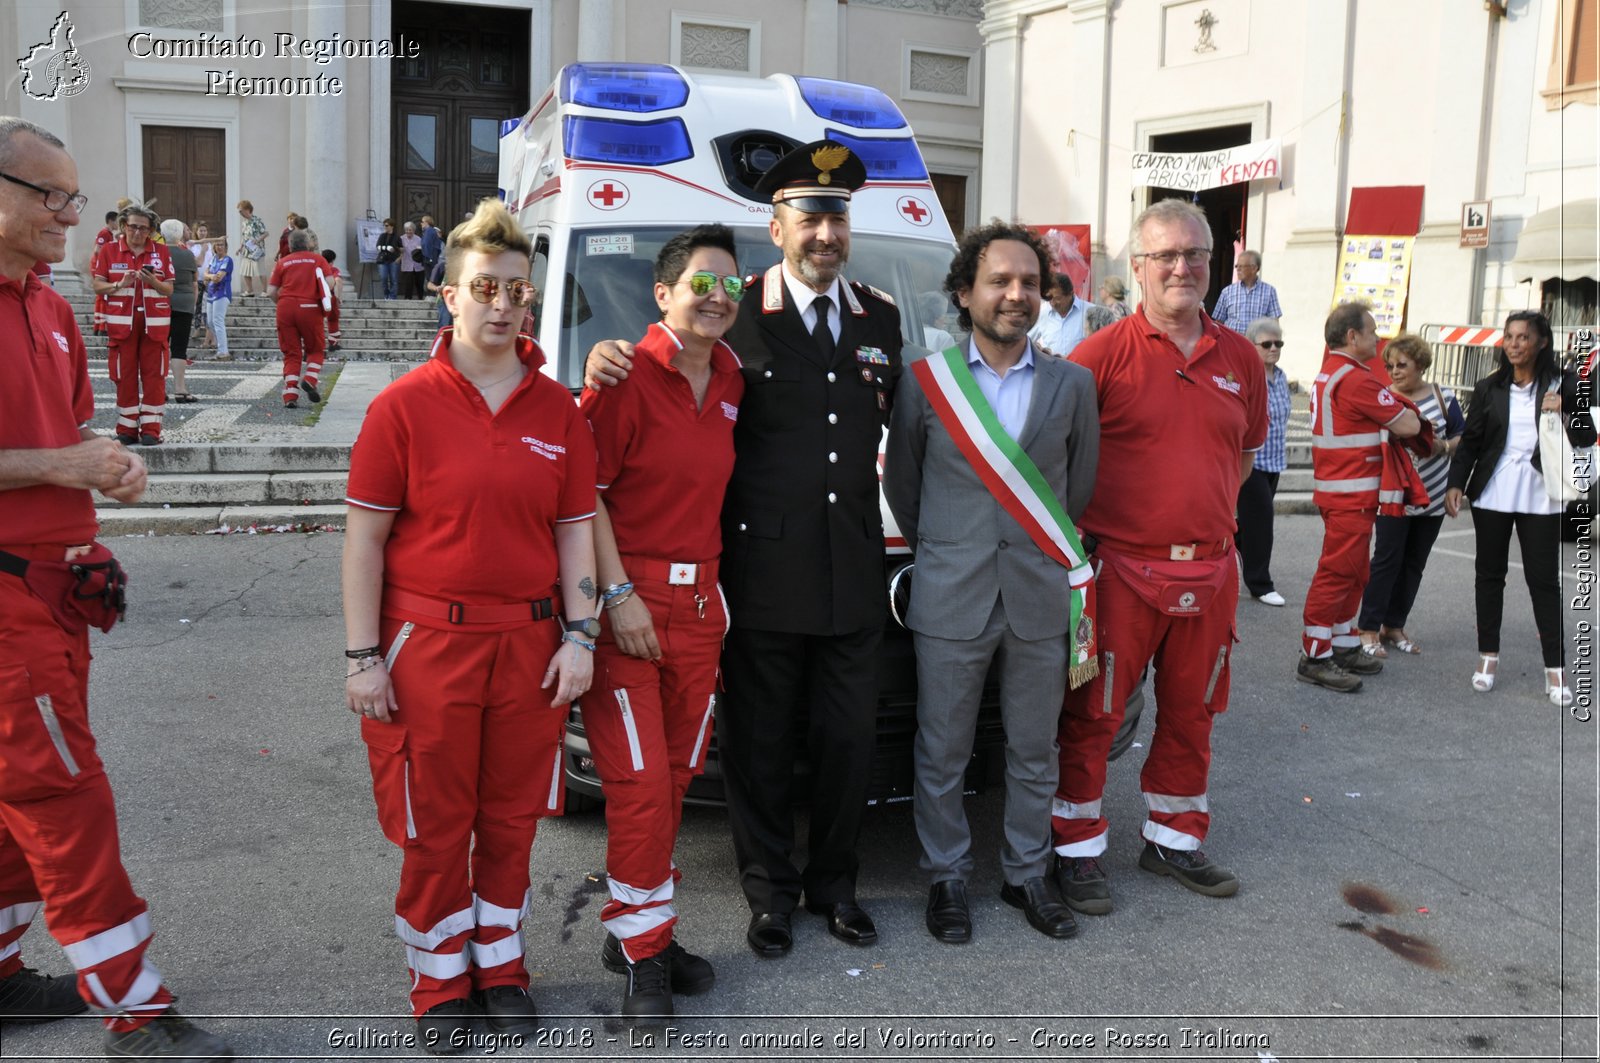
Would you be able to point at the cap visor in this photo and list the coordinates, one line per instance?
(819, 204)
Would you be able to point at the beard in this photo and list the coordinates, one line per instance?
(1000, 330)
(815, 275)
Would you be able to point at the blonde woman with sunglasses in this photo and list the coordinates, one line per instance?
(664, 441)
(471, 498)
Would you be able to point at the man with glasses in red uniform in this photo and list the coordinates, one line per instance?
(1183, 409)
(58, 823)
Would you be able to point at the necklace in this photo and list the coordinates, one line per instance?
(496, 383)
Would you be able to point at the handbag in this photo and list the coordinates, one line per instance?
(1568, 471)
(416, 254)
(88, 591)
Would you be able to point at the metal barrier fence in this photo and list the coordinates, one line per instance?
(1465, 354)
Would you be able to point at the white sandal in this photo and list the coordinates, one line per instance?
(1483, 678)
(1555, 687)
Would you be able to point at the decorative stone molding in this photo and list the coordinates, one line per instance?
(194, 16)
(939, 74)
(970, 10)
(711, 42)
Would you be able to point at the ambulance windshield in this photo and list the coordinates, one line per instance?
(608, 285)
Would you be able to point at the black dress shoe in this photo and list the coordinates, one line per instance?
(847, 922)
(1041, 902)
(769, 934)
(948, 918)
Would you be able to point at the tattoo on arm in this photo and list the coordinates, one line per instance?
(586, 585)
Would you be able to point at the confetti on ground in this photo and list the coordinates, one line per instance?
(1423, 911)
(853, 972)
(185, 620)
(1357, 794)
(1307, 800)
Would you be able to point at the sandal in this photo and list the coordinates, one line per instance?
(1555, 687)
(1398, 638)
(1483, 678)
(1372, 646)
(184, 396)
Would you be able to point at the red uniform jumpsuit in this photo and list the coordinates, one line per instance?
(333, 312)
(138, 319)
(473, 758)
(303, 297)
(1349, 407)
(663, 466)
(1172, 432)
(58, 824)
(104, 237)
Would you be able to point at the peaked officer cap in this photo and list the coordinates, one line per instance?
(816, 178)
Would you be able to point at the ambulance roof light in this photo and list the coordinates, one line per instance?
(858, 106)
(637, 87)
(613, 140)
(886, 158)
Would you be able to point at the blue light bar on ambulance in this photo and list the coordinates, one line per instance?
(631, 143)
(637, 87)
(857, 106)
(886, 159)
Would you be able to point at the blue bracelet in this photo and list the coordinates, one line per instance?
(614, 590)
(576, 641)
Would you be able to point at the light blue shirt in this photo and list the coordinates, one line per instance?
(1059, 333)
(1008, 397)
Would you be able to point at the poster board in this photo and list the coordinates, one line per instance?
(367, 232)
(1376, 270)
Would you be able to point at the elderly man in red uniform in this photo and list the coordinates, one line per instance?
(1350, 410)
(134, 273)
(300, 285)
(58, 833)
(1183, 409)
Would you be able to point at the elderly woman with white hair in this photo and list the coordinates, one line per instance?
(411, 270)
(1256, 494)
(184, 268)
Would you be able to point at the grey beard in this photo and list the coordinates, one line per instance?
(815, 277)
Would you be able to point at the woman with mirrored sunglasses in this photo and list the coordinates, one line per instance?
(1256, 494)
(471, 497)
(664, 446)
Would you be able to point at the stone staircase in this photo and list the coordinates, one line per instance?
(370, 329)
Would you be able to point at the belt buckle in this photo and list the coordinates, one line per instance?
(681, 574)
(1182, 552)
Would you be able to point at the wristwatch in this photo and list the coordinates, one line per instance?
(589, 626)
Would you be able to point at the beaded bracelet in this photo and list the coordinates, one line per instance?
(365, 664)
(625, 596)
(615, 590)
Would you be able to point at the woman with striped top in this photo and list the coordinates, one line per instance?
(1403, 543)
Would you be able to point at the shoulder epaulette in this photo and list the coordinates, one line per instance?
(879, 292)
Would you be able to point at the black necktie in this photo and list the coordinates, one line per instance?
(820, 331)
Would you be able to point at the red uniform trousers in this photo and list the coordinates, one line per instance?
(1333, 600)
(58, 822)
(1193, 659)
(470, 762)
(137, 365)
(649, 723)
(300, 338)
(333, 321)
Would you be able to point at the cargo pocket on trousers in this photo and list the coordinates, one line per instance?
(35, 760)
(1220, 681)
(391, 778)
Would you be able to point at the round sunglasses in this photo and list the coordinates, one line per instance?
(701, 283)
(486, 289)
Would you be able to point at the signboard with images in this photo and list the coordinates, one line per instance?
(1376, 270)
(367, 232)
(1069, 253)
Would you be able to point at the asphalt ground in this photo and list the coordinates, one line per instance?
(1418, 860)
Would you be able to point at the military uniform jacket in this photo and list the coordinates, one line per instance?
(802, 532)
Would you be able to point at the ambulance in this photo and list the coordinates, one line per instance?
(616, 158)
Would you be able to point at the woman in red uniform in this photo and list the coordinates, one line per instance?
(134, 274)
(471, 494)
(664, 444)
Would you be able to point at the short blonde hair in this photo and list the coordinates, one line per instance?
(491, 230)
(1413, 347)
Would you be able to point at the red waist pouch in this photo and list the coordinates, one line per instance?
(1177, 588)
(88, 591)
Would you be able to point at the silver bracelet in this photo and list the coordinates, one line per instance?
(576, 641)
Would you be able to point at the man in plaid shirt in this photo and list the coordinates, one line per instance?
(1247, 298)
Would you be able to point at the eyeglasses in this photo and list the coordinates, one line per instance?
(702, 282)
(55, 200)
(1193, 257)
(137, 228)
(487, 289)
(1271, 345)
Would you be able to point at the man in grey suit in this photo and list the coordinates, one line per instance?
(985, 588)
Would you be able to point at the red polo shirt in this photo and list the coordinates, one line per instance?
(662, 462)
(476, 495)
(1172, 431)
(300, 278)
(45, 397)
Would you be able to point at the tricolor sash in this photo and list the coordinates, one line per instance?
(1018, 485)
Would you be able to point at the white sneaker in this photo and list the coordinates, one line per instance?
(1271, 598)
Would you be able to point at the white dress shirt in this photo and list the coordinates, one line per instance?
(1008, 396)
(804, 298)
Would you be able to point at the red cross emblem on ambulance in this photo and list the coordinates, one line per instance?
(915, 211)
(608, 195)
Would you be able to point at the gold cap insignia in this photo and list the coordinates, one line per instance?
(827, 159)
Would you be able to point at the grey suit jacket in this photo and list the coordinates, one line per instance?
(968, 549)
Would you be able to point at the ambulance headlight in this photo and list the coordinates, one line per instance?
(631, 143)
(637, 87)
(890, 159)
(857, 106)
